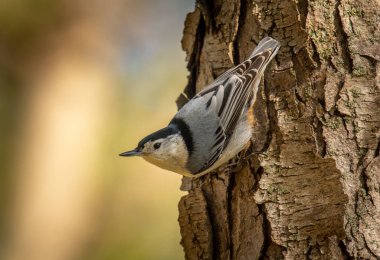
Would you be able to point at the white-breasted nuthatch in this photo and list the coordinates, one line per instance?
(214, 126)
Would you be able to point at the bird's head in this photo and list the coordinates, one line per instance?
(164, 148)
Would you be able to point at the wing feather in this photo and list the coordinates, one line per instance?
(230, 94)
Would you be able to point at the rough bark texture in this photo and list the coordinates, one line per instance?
(311, 189)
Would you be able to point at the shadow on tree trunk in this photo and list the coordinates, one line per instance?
(311, 188)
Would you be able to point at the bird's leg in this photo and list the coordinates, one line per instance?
(232, 165)
(248, 150)
(236, 164)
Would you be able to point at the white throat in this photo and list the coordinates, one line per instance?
(173, 156)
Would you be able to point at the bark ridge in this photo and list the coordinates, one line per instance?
(312, 188)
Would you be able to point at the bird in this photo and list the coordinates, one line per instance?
(215, 125)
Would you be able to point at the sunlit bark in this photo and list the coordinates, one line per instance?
(312, 188)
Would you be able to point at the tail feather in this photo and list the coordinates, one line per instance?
(266, 44)
(254, 64)
(260, 58)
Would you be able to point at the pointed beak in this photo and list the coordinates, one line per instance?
(135, 152)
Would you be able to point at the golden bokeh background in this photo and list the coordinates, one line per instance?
(80, 82)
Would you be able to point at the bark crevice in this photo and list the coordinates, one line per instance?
(342, 38)
(311, 189)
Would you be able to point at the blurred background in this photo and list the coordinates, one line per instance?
(80, 82)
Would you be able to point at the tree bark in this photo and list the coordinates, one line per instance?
(311, 188)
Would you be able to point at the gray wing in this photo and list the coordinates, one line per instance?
(226, 99)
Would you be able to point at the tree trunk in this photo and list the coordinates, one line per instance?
(311, 187)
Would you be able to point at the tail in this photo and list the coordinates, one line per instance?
(261, 56)
(256, 64)
(267, 49)
(258, 61)
(265, 44)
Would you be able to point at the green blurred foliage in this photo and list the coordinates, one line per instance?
(22, 21)
(136, 215)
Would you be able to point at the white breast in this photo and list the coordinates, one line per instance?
(172, 156)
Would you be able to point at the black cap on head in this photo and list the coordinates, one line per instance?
(162, 133)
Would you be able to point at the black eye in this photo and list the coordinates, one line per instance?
(156, 145)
